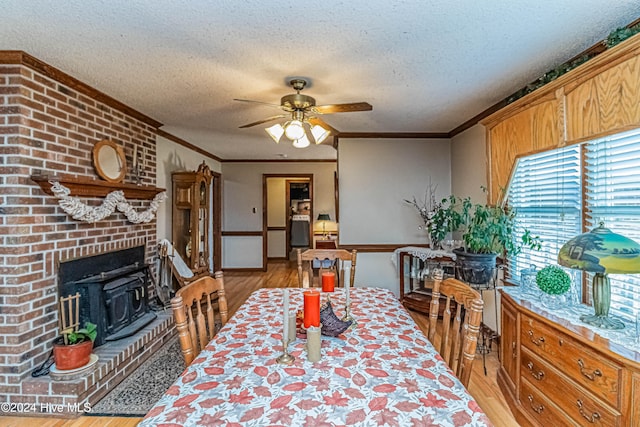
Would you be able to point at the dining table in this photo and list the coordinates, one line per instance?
(380, 371)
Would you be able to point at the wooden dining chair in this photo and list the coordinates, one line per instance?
(193, 310)
(460, 329)
(327, 260)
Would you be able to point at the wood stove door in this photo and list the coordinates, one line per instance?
(116, 295)
(138, 296)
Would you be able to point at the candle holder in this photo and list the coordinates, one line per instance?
(285, 358)
(348, 317)
(138, 173)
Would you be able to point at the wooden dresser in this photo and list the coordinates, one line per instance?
(556, 373)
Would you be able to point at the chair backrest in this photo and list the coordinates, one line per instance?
(327, 260)
(460, 329)
(193, 310)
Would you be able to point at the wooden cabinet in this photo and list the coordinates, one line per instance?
(192, 217)
(416, 284)
(564, 374)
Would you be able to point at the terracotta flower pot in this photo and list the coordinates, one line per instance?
(72, 356)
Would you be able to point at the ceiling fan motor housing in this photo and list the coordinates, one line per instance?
(297, 101)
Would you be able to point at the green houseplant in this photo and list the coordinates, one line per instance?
(487, 232)
(73, 349)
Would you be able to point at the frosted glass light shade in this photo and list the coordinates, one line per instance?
(275, 132)
(302, 142)
(319, 133)
(294, 130)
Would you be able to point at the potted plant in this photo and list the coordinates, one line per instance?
(486, 230)
(73, 349)
(554, 282)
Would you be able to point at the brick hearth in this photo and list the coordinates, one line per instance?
(117, 360)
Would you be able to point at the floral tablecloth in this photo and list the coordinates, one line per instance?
(382, 372)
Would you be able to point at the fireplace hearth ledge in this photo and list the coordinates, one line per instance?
(117, 360)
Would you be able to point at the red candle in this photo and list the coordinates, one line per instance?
(328, 281)
(311, 308)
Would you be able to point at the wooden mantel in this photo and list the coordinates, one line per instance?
(96, 188)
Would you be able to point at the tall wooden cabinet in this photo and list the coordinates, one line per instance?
(191, 219)
(556, 373)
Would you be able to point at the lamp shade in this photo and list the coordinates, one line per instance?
(324, 217)
(302, 142)
(601, 251)
(294, 130)
(275, 132)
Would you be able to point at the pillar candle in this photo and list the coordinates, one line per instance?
(285, 317)
(311, 308)
(328, 281)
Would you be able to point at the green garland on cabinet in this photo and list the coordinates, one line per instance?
(615, 37)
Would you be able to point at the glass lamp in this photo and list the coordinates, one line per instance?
(302, 142)
(294, 130)
(324, 218)
(319, 133)
(601, 251)
(275, 132)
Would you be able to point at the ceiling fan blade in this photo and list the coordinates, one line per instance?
(259, 122)
(342, 108)
(258, 102)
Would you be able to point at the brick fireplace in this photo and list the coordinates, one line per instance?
(49, 123)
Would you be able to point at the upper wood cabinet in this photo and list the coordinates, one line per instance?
(610, 101)
(601, 97)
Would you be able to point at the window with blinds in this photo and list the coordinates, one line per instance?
(546, 191)
(612, 181)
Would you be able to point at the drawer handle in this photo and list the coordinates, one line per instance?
(539, 376)
(538, 341)
(592, 418)
(514, 352)
(537, 409)
(587, 375)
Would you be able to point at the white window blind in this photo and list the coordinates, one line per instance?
(545, 191)
(612, 172)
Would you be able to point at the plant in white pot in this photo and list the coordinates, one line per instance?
(487, 232)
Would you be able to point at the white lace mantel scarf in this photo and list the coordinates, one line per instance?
(114, 200)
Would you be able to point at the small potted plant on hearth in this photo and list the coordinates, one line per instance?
(554, 282)
(73, 349)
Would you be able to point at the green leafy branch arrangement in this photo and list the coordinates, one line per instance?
(615, 37)
(553, 280)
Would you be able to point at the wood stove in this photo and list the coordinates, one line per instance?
(113, 291)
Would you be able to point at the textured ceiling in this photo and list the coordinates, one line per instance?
(425, 66)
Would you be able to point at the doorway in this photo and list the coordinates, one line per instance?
(288, 214)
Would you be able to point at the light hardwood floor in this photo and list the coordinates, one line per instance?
(279, 274)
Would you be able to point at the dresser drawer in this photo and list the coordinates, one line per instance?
(595, 373)
(537, 408)
(570, 397)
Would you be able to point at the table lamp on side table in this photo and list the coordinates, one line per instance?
(601, 251)
(324, 218)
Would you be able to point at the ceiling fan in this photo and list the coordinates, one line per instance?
(303, 126)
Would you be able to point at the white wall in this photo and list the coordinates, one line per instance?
(172, 157)
(469, 164)
(242, 192)
(375, 177)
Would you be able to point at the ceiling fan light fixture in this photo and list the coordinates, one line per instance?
(275, 132)
(294, 130)
(302, 142)
(319, 133)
